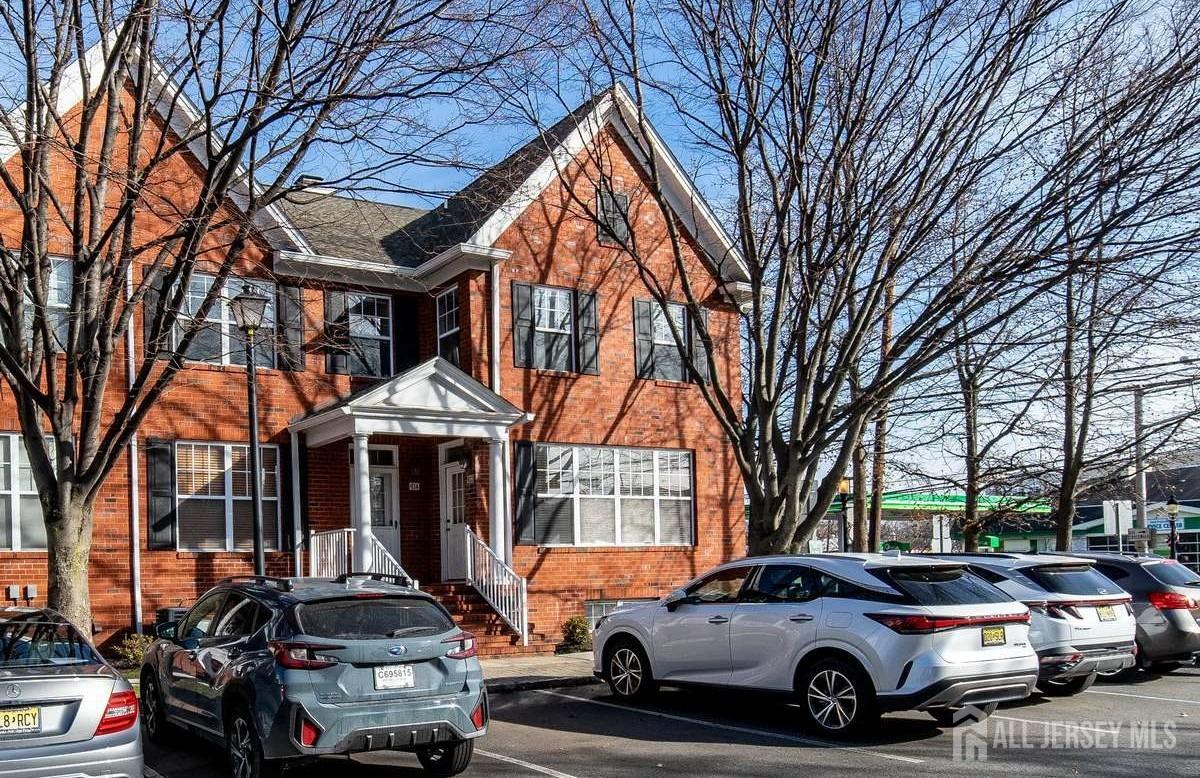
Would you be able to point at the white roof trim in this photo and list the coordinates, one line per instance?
(428, 275)
(434, 398)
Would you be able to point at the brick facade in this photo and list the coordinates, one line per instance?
(551, 243)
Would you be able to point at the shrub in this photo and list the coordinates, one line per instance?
(576, 636)
(131, 649)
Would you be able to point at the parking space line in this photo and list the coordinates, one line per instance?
(1145, 697)
(537, 768)
(150, 772)
(764, 733)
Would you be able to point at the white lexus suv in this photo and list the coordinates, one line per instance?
(850, 635)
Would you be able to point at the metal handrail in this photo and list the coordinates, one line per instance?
(330, 554)
(497, 583)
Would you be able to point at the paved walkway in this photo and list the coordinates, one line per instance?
(518, 673)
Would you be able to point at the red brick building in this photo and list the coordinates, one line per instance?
(492, 377)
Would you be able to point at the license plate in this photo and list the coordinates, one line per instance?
(1106, 613)
(994, 636)
(20, 721)
(394, 677)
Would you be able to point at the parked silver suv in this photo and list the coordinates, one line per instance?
(285, 670)
(850, 635)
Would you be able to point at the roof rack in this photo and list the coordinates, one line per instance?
(283, 584)
(398, 580)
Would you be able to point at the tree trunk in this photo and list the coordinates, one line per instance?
(69, 545)
(861, 533)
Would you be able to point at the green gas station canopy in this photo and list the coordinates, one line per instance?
(955, 502)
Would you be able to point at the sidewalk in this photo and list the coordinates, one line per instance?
(538, 672)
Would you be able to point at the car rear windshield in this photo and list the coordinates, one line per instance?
(1073, 579)
(41, 644)
(945, 586)
(364, 619)
(1172, 573)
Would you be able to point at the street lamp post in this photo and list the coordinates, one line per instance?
(1173, 515)
(249, 312)
(844, 495)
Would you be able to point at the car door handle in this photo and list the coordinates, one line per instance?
(719, 620)
(801, 617)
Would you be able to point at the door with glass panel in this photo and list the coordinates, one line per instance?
(453, 487)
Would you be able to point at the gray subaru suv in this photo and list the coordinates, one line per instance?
(282, 670)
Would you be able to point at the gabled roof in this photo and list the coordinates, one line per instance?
(433, 398)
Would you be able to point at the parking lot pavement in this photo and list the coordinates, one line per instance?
(1149, 727)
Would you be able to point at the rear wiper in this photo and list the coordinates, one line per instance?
(404, 631)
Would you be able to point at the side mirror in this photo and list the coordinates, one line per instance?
(166, 631)
(675, 599)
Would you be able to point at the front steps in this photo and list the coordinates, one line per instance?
(494, 637)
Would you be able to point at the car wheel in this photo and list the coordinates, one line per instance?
(837, 698)
(1067, 686)
(244, 749)
(446, 760)
(628, 671)
(154, 712)
(970, 714)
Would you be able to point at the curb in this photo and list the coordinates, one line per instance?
(507, 685)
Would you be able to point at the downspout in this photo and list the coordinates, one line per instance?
(135, 513)
(297, 530)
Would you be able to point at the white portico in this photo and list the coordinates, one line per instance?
(434, 399)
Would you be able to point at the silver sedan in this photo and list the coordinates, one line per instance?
(63, 709)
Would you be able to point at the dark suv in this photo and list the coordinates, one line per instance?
(1166, 602)
(284, 670)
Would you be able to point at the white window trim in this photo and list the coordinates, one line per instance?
(669, 339)
(228, 498)
(219, 314)
(386, 338)
(442, 334)
(16, 450)
(616, 497)
(570, 328)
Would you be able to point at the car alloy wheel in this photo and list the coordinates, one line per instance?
(151, 715)
(242, 756)
(832, 700)
(626, 671)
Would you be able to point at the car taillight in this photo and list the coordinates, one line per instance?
(302, 656)
(308, 733)
(1060, 609)
(1167, 601)
(466, 646)
(480, 714)
(1035, 606)
(120, 714)
(918, 624)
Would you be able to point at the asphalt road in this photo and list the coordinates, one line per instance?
(1147, 727)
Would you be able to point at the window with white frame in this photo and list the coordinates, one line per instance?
(369, 321)
(219, 340)
(447, 325)
(553, 329)
(21, 524)
(668, 359)
(58, 304)
(213, 503)
(605, 496)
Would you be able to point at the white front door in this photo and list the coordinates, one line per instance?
(385, 513)
(453, 487)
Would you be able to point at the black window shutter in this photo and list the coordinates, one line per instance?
(152, 301)
(291, 328)
(587, 335)
(699, 357)
(160, 494)
(522, 325)
(643, 336)
(406, 340)
(337, 333)
(286, 523)
(525, 485)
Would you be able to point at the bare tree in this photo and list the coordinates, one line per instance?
(106, 105)
(838, 135)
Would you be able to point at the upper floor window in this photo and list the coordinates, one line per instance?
(215, 513)
(58, 305)
(218, 339)
(21, 524)
(447, 325)
(358, 329)
(555, 328)
(656, 350)
(612, 216)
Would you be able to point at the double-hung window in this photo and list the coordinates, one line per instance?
(605, 496)
(447, 325)
(656, 351)
(217, 338)
(21, 524)
(214, 509)
(612, 216)
(369, 322)
(58, 305)
(555, 328)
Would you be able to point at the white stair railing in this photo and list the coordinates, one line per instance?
(497, 583)
(331, 554)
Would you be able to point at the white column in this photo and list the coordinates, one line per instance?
(363, 538)
(507, 503)
(496, 497)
